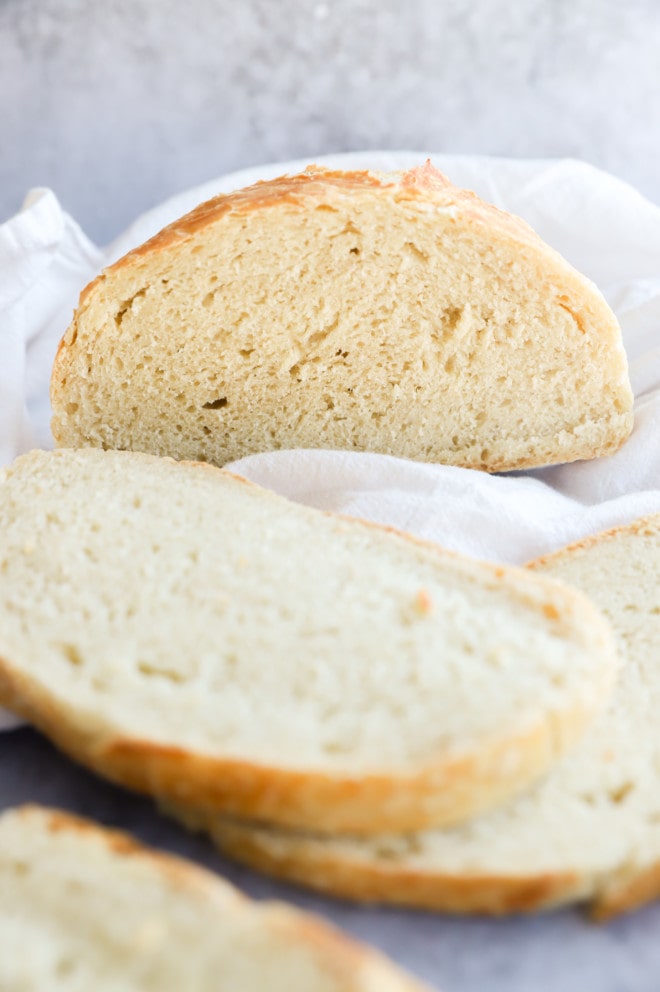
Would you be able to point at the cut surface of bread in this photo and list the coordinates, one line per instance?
(589, 832)
(88, 908)
(392, 313)
(189, 634)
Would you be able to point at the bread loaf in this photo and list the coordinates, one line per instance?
(190, 635)
(88, 908)
(589, 832)
(352, 310)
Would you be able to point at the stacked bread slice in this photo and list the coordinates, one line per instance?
(88, 908)
(196, 637)
(590, 831)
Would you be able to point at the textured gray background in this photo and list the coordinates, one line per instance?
(119, 104)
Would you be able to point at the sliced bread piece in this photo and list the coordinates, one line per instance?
(188, 634)
(589, 832)
(87, 908)
(375, 312)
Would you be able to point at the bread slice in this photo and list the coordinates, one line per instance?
(589, 832)
(350, 310)
(191, 635)
(88, 908)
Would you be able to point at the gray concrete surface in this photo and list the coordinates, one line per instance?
(117, 105)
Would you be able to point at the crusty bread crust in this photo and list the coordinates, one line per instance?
(445, 791)
(643, 525)
(356, 964)
(450, 793)
(422, 185)
(626, 891)
(310, 863)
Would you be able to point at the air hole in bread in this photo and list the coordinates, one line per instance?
(216, 404)
(71, 654)
(451, 318)
(152, 671)
(64, 967)
(416, 252)
(337, 747)
(618, 795)
(385, 851)
(128, 305)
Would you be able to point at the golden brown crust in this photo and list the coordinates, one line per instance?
(308, 864)
(626, 891)
(361, 804)
(179, 872)
(449, 793)
(649, 524)
(315, 865)
(424, 183)
(293, 190)
(338, 955)
(421, 183)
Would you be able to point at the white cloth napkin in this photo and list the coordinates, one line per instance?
(597, 222)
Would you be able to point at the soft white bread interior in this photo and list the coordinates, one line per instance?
(589, 832)
(86, 908)
(194, 636)
(389, 313)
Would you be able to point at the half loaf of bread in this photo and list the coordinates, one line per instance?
(589, 832)
(194, 636)
(88, 908)
(375, 312)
